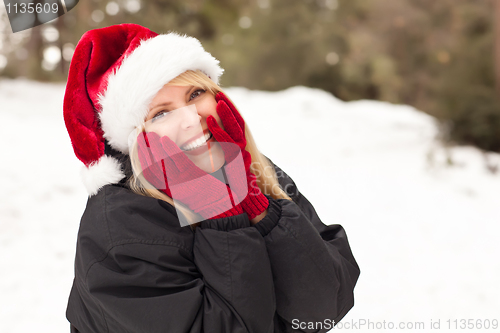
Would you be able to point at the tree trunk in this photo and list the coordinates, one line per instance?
(35, 55)
(496, 19)
(60, 28)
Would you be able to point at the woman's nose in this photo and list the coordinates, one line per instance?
(190, 119)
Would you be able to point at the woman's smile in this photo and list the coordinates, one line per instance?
(198, 142)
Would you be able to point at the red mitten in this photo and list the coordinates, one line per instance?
(255, 202)
(200, 191)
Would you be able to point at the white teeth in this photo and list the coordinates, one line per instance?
(197, 143)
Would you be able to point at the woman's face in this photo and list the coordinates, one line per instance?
(187, 127)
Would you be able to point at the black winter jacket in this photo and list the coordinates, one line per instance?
(137, 270)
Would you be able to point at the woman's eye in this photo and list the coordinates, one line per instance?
(159, 115)
(163, 113)
(195, 94)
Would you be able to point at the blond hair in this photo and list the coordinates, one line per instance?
(263, 170)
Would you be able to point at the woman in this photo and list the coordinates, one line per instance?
(252, 257)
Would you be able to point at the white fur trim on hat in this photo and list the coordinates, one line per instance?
(105, 171)
(130, 90)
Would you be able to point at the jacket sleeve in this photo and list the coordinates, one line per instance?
(224, 285)
(312, 264)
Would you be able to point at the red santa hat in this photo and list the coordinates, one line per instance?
(115, 72)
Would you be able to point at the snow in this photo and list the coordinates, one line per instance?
(422, 219)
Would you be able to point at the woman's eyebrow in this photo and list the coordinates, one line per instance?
(168, 103)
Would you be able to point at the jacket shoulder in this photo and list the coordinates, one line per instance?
(117, 216)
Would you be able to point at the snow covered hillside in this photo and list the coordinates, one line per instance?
(422, 220)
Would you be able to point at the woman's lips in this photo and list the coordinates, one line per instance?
(198, 142)
(197, 136)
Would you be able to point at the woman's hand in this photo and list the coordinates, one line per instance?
(254, 203)
(169, 170)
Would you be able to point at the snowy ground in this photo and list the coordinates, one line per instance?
(422, 220)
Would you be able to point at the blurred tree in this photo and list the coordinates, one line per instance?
(4, 43)
(497, 46)
(467, 102)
